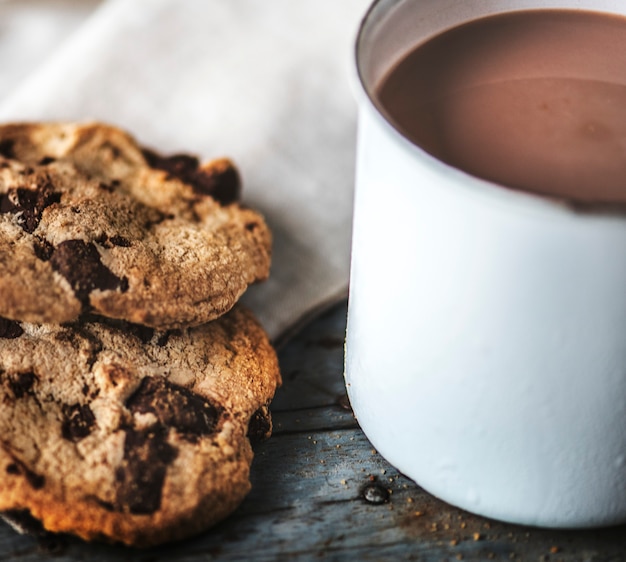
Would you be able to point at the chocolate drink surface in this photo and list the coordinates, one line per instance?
(534, 100)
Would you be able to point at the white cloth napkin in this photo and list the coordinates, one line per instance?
(266, 82)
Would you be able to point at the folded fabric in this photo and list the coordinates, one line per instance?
(265, 83)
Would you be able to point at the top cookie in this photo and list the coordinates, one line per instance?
(90, 221)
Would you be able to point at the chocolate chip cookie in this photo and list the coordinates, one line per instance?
(118, 432)
(92, 223)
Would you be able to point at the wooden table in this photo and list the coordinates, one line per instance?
(321, 492)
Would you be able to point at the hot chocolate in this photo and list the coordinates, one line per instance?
(534, 100)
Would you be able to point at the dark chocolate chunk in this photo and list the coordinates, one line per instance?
(223, 185)
(79, 331)
(144, 333)
(141, 476)
(147, 454)
(175, 407)
(164, 337)
(110, 241)
(7, 202)
(46, 160)
(18, 467)
(119, 241)
(22, 383)
(6, 148)
(29, 203)
(177, 166)
(78, 421)
(43, 249)
(35, 480)
(9, 329)
(260, 425)
(79, 262)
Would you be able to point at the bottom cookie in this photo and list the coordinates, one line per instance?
(124, 434)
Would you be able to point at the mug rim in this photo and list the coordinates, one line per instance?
(503, 192)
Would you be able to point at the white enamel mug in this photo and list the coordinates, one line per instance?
(486, 342)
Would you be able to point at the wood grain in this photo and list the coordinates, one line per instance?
(310, 483)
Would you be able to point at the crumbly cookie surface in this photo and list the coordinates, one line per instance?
(131, 435)
(91, 222)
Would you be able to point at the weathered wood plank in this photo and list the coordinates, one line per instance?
(310, 483)
(312, 366)
(313, 419)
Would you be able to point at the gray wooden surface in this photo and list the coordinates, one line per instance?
(321, 492)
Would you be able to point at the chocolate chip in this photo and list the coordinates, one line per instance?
(140, 478)
(165, 337)
(21, 384)
(119, 241)
(178, 165)
(144, 333)
(17, 467)
(78, 422)
(29, 204)
(6, 148)
(80, 332)
(110, 241)
(174, 406)
(35, 480)
(43, 249)
(46, 160)
(79, 262)
(9, 329)
(7, 203)
(260, 425)
(222, 182)
(147, 454)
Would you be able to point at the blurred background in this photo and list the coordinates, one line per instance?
(30, 30)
